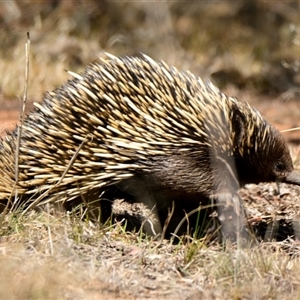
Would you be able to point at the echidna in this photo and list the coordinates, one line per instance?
(149, 130)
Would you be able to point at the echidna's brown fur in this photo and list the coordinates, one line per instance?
(157, 133)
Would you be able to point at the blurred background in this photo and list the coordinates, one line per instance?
(250, 49)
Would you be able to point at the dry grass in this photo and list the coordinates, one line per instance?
(51, 256)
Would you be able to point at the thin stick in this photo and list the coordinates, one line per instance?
(47, 192)
(27, 48)
(187, 215)
(170, 214)
(292, 129)
(49, 230)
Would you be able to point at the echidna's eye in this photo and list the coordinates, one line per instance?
(280, 166)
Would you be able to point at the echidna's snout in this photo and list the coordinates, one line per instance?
(293, 178)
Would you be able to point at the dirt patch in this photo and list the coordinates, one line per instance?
(10, 114)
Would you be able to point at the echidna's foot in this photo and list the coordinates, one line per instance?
(232, 219)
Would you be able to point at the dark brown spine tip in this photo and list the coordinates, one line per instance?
(293, 178)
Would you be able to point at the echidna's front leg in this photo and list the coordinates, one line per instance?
(224, 195)
(232, 218)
